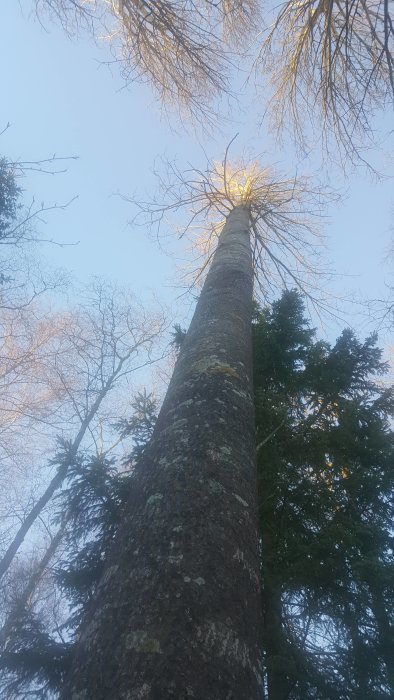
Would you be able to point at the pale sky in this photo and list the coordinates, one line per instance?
(60, 98)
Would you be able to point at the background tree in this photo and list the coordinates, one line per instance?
(325, 460)
(30, 340)
(175, 46)
(57, 369)
(335, 73)
(102, 343)
(22, 279)
(205, 427)
(45, 603)
(325, 448)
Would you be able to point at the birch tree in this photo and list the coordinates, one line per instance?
(177, 611)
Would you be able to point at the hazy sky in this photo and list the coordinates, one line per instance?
(60, 98)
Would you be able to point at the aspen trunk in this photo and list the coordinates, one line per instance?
(178, 613)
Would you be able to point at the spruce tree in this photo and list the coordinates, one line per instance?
(326, 483)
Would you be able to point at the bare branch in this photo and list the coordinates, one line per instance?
(284, 218)
(98, 345)
(331, 64)
(177, 46)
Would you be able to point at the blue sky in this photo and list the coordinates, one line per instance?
(60, 98)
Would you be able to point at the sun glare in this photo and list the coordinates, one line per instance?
(238, 184)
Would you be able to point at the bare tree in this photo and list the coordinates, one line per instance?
(101, 344)
(32, 397)
(178, 611)
(285, 220)
(23, 597)
(175, 45)
(332, 66)
(21, 277)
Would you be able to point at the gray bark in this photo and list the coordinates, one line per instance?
(178, 612)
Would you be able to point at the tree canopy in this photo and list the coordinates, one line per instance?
(325, 466)
(334, 74)
(323, 411)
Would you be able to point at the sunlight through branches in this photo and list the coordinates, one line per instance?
(335, 72)
(285, 217)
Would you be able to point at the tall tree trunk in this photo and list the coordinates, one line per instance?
(178, 614)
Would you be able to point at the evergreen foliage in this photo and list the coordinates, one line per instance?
(9, 199)
(36, 652)
(34, 660)
(9, 208)
(140, 425)
(326, 482)
(325, 464)
(93, 503)
(178, 336)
